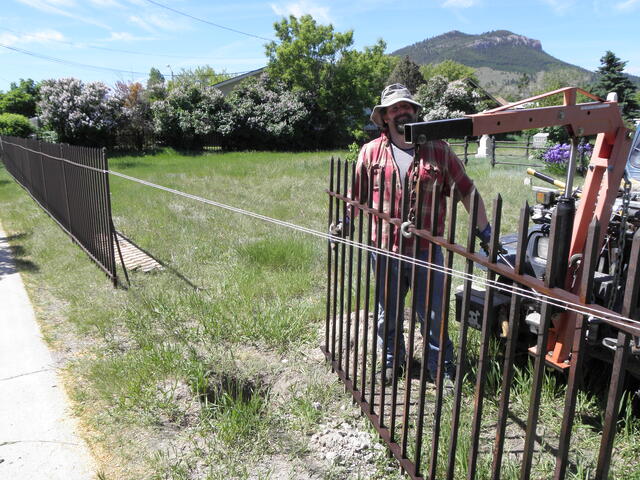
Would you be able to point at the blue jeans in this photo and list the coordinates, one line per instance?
(421, 294)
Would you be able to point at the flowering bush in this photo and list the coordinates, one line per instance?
(189, 116)
(556, 157)
(264, 114)
(79, 113)
(442, 99)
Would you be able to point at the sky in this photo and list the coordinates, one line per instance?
(121, 40)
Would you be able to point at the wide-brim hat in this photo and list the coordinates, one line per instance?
(391, 95)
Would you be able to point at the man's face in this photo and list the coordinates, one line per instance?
(399, 114)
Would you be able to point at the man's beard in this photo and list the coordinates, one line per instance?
(401, 120)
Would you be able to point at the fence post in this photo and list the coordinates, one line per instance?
(466, 149)
(528, 144)
(493, 151)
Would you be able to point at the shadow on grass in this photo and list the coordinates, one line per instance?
(164, 265)
(10, 257)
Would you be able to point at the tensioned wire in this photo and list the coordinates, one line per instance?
(612, 317)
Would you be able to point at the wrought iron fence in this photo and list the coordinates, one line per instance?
(437, 429)
(71, 184)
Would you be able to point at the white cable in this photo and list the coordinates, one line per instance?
(571, 306)
(512, 289)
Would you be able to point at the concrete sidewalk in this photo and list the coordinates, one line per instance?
(38, 436)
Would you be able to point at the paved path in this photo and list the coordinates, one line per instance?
(38, 437)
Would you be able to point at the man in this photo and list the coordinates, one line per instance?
(390, 153)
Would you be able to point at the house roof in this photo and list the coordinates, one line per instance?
(498, 100)
(227, 85)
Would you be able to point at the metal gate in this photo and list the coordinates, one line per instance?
(440, 431)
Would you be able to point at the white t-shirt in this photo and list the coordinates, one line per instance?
(403, 159)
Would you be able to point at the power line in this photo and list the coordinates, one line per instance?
(118, 50)
(97, 67)
(208, 22)
(68, 62)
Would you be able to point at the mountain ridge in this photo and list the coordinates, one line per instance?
(498, 49)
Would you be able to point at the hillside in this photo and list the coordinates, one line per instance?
(498, 50)
(500, 58)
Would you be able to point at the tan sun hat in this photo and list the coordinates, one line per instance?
(391, 95)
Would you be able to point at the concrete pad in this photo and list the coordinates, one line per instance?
(38, 436)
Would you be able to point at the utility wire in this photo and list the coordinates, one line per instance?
(118, 50)
(208, 22)
(68, 62)
(612, 317)
(97, 67)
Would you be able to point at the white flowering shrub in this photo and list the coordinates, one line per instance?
(190, 116)
(79, 113)
(266, 115)
(442, 99)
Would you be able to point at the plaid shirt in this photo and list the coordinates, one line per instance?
(437, 163)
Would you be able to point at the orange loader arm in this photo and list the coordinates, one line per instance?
(602, 181)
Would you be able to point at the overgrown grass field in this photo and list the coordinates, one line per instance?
(211, 367)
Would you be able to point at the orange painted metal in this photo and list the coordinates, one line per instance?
(601, 182)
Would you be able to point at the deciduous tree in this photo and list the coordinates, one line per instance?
(21, 98)
(449, 69)
(135, 127)
(343, 82)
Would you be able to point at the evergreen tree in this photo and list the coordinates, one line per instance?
(612, 79)
(156, 88)
(407, 72)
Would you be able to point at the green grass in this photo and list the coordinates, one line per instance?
(217, 381)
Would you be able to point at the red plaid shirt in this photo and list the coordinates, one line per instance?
(437, 162)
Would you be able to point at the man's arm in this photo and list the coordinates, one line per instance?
(482, 220)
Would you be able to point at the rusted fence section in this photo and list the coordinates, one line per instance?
(469, 428)
(72, 185)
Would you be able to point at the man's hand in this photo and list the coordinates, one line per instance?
(485, 239)
(341, 229)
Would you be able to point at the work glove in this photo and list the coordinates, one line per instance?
(485, 238)
(342, 229)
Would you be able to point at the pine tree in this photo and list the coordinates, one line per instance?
(612, 79)
(407, 72)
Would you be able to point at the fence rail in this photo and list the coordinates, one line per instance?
(439, 432)
(71, 184)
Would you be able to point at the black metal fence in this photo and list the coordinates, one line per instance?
(446, 430)
(72, 185)
(500, 152)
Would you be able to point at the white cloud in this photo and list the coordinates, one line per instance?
(122, 36)
(54, 6)
(152, 23)
(106, 3)
(41, 37)
(459, 3)
(303, 7)
(627, 5)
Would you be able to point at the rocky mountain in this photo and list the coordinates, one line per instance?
(500, 58)
(500, 50)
